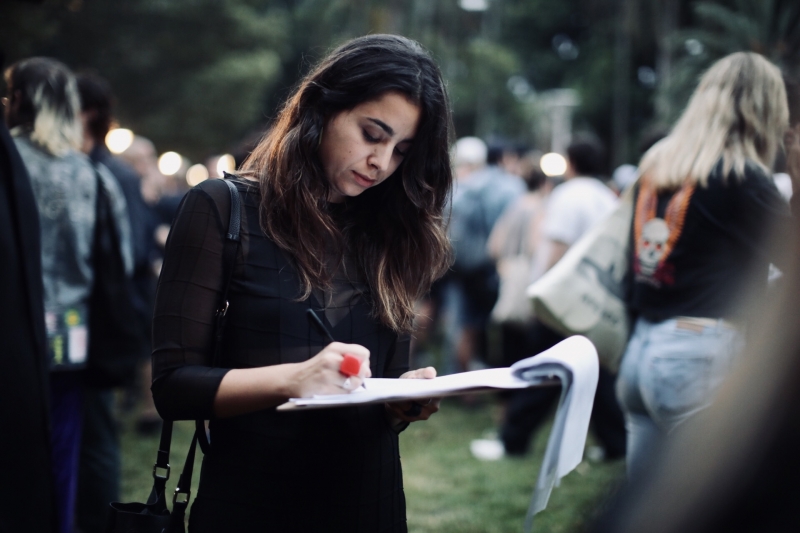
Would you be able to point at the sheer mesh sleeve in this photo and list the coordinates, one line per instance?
(189, 291)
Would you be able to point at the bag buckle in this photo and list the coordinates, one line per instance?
(221, 312)
(156, 475)
(178, 492)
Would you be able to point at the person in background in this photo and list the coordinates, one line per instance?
(512, 245)
(785, 183)
(25, 450)
(483, 193)
(43, 113)
(702, 210)
(734, 466)
(431, 316)
(792, 141)
(141, 156)
(573, 207)
(100, 461)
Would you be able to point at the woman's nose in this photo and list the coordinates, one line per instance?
(381, 157)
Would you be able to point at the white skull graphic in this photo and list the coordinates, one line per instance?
(652, 245)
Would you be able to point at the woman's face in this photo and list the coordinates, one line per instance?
(363, 146)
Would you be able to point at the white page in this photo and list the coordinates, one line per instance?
(382, 389)
(577, 354)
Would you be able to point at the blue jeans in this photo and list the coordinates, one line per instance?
(669, 372)
(66, 415)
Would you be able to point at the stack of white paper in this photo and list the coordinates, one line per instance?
(571, 363)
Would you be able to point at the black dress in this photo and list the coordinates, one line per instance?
(326, 470)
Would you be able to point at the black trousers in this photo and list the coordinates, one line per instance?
(528, 408)
(100, 466)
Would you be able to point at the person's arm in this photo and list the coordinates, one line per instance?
(185, 385)
(245, 390)
(556, 250)
(561, 226)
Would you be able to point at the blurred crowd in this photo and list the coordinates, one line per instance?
(510, 224)
(61, 173)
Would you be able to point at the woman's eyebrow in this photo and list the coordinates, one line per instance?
(385, 127)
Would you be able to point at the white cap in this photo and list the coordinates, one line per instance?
(624, 176)
(469, 151)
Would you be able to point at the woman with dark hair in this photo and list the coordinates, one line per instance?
(342, 213)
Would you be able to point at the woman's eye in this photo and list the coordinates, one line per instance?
(369, 137)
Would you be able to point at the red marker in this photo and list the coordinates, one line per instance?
(350, 365)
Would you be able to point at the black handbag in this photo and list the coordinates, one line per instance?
(154, 515)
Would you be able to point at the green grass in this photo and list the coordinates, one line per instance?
(447, 490)
(450, 491)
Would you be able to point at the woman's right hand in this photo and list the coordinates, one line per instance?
(244, 390)
(320, 374)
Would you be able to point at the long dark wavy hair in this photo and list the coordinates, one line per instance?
(395, 230)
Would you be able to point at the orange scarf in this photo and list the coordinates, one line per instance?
(675, 216)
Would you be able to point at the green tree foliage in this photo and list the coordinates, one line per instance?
(190, 75)
(767, 27)
(198, 76)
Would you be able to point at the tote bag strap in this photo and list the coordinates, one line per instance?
(229, 252)
(161, 469)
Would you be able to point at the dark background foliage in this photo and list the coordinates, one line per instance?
(201, 76)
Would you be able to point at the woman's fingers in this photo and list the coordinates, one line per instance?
(342, 355)
(421, 373)
(415, 410)
(324, 373)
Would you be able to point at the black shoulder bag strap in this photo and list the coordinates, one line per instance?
(180, 500)
(229, 252)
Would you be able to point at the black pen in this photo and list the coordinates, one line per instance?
(314, 319)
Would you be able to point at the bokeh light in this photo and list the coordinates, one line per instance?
(225, 163)
(170, 163)
(196, 174)
(474, 5)
(119, 139)
(553, 164)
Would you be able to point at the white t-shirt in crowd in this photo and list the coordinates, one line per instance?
(575, 206)
(784, 184)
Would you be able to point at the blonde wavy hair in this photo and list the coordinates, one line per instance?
(44, 96)
(738, 113)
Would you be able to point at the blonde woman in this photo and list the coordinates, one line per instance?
(703, 206)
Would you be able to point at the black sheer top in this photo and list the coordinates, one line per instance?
(265, 326)
(264, 459)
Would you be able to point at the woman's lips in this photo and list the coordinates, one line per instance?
(362, 180)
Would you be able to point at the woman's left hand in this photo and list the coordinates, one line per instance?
(414, 410)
